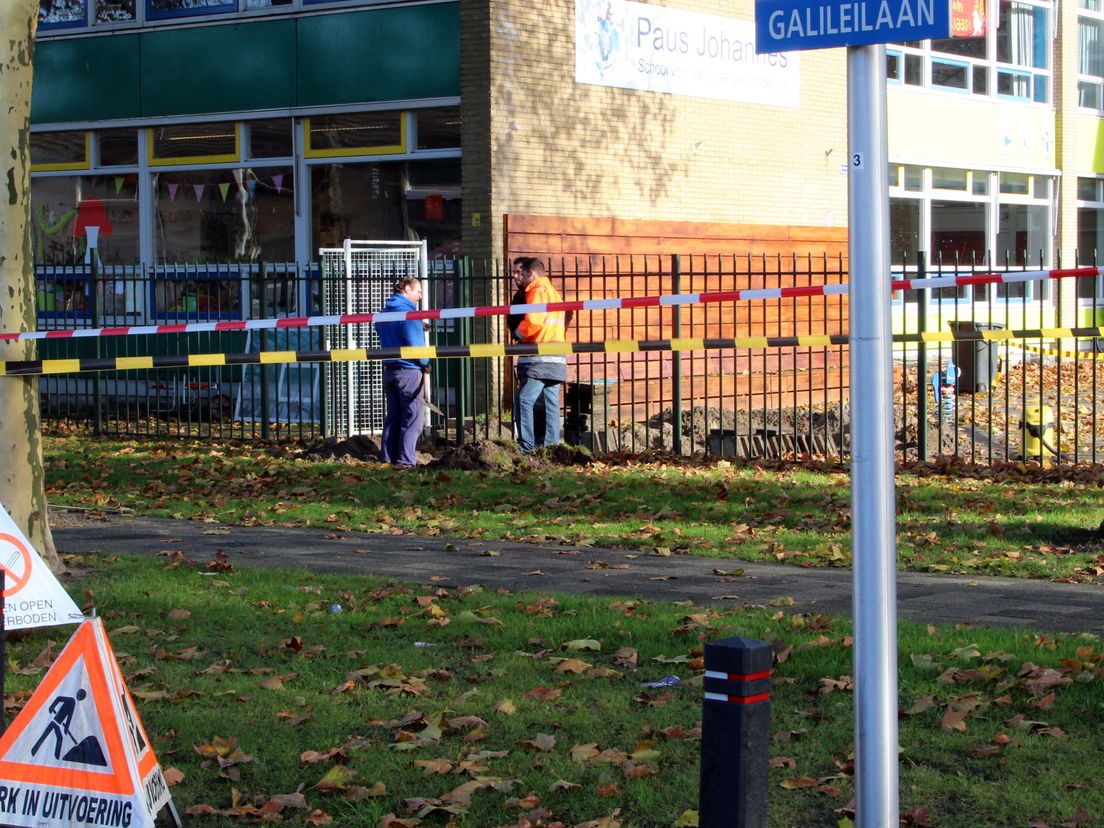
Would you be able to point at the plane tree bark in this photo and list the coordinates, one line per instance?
(22, 476)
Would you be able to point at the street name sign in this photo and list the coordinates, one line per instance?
(786, 25)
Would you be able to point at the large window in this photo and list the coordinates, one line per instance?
(242, 214)
(966, 219)
(1090, 236)
(64, 208)
(1090, 55)
(387, 200)
(904, 230)
(228, 193)
(1012, 61)
(1022, 241)
(1023, 51)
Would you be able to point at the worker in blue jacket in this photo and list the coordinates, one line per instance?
(402, 378)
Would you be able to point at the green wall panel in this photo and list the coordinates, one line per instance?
(389, 54)
(85, 79)
(230, 68)
(365, 56)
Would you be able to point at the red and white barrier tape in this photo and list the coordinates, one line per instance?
(578, 305)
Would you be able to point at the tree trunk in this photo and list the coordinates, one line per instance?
(22, 478)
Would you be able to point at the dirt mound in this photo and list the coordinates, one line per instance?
(505, 455)
(562, 455)
(482, 454)
(354, 448)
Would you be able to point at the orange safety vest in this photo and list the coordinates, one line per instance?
(540, 326)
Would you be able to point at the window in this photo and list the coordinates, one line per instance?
(270, 139)
(60, 17)
(62, 14)
(64, 207)
(958, 239)
(961, 71)
(1015, 183)
(1022, 240)
(166, 9)
(387, 200)
(907, 68)
(904, 230)
(358, 133)
(967, 221)
(1023, 41)
(1090, 55)
(118, 147)
(200, 292)
(237, 215)
(1020, 42)
(59, 151)
(224, 193)
(945, 178)
(193, 143)
(438, 128)
(1090, 236)
(115, 11)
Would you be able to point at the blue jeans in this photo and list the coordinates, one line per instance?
(531, 389)
(402, 424)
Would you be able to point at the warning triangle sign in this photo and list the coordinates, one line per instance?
(33, 596)
(77, 754)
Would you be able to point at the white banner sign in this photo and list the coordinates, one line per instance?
(658, 49)
(33, 596)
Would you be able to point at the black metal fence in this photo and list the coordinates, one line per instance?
(754, 401)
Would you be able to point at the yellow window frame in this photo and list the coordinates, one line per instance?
(193, 159)
(344, 152)
(86, 164)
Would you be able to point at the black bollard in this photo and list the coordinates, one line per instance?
(735, 745)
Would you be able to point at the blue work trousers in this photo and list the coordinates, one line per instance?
(530, 390)
(402, 424)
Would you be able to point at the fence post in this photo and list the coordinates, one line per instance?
(266, 431)
(323, 369)
(735, 744)
(676, 357)
(921, 360)
(97, 321)
(463, 334)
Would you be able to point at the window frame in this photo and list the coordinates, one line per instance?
(1040, 80)
(1084, 79)
(145, 16)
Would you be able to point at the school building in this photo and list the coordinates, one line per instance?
(233, 132)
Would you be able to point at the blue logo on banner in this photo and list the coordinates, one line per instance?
(791, 25)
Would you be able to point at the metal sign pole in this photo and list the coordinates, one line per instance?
(873, 527)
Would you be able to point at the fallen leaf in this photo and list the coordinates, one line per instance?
(794, 783)
(541, 743)
(336, 779)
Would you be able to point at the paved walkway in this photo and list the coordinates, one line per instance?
(453, 562)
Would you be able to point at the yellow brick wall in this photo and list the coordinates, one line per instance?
(555, 147)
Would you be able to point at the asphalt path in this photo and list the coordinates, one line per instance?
(518, 567)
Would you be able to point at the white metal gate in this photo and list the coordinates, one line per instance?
(359, 278)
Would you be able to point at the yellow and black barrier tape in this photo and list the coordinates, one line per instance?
(615, 346)
(1043, 350)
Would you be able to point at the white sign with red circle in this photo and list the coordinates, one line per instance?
(33, 596)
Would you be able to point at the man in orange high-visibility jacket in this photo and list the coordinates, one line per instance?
(540, 375)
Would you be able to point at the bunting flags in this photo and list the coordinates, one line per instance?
(274, 182)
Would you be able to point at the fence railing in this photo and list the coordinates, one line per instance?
(755, 401)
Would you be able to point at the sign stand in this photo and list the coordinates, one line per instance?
(873, 519)
(792, 25)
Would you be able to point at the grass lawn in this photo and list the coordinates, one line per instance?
(1010, 521)
(414, 706)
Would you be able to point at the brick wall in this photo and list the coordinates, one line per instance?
(546, 145)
